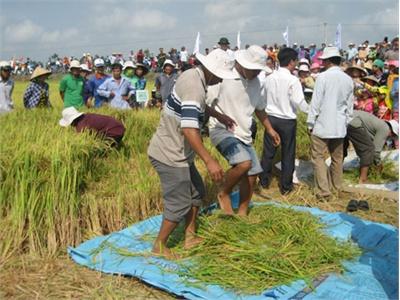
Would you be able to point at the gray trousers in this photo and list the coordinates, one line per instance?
(182, 188)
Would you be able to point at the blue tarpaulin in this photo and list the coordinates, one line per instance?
(374, 275)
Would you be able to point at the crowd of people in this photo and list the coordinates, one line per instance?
(347, 95)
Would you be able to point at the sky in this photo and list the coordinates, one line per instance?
(39, 28)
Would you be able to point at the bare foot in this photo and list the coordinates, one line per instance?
(224, 201)
(164, 251)
(242, 212)
(191, 242)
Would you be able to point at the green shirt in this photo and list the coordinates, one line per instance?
(73, 90)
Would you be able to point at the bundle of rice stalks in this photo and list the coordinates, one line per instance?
(389, 173)
(272, 246)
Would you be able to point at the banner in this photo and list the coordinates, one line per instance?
(338, 38)
(196, 48)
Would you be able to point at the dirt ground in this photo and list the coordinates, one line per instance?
(28, 277)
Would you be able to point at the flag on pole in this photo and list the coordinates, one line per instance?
(286, 36)
(338, 38)
(196, 48)
(238, 40)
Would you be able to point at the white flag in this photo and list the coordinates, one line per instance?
(238, 40)
(196, 48)
(286, 36)
(338, 38)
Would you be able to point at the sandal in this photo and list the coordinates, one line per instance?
(352, 205)
(363, 205)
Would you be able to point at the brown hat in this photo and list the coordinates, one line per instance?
(372, 78)
(39, 71)
(355, 67)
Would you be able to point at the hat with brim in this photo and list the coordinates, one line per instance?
(330, 52)
(168, 62)
(394, 125)
(223, 41)
(74, 65)
(372, 78)
(315, 66)
(368, 65)
(304, 68)
(355, 67)
(144, 67)
(128, 64)
(253, 58)
(69, 114)
(218, 63)
(5, 65)
(39, 71)
(85, 68)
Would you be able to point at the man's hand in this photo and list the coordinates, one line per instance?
(126, 98)
(276, 139)
(227, 121)
(112, 95)
(215, 170)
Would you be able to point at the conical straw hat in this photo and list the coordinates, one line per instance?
(39, 71)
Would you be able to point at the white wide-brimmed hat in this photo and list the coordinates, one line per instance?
(128, 64)
(253, 58)
(330, 52)
(304, 61)
(74, 64)
(69, 114)
(39, 71)
(219, 63)
(168, 62)
(395, 126)
(98, 62)
(304, 68)
(5, 64)
(85, 67)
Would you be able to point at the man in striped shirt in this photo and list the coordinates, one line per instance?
(176, 141)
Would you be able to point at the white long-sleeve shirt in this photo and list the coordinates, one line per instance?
(284, 95)
(331, 106)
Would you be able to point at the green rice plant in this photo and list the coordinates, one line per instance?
(389, 173)
(270, 247)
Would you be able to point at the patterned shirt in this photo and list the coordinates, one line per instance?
(37, 95)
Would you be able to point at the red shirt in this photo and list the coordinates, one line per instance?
(104, 125)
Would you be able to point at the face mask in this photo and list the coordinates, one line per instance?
(129, 72)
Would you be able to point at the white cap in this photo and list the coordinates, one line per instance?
(330, 52)
(304, 68)
(168, 62)
(74, 64)
(69, 114)
(219, 63)
(84, 67)
(253, 58)
(98, 62)
(395, 126)
(129, 64)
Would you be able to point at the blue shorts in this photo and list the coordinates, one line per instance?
(235, 152)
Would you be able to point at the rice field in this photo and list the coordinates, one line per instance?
(59, 188)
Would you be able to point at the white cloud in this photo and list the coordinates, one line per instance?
(23, 31)
(122, 21)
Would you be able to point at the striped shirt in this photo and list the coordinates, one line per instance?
(184, 108)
